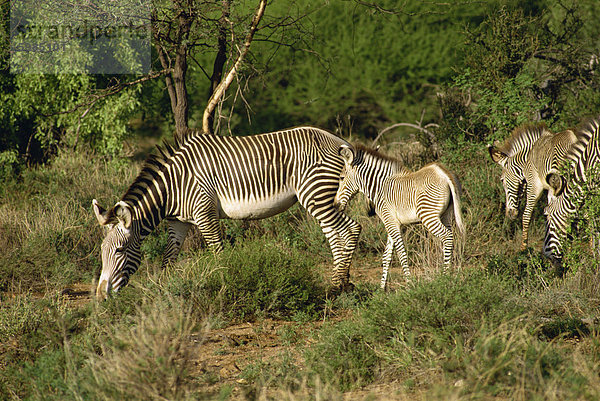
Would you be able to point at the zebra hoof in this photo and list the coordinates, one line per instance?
(336, 290)
(559, 269)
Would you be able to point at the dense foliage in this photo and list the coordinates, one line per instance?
(476, 69)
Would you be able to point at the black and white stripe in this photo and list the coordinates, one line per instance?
(212, 177)
(402, 197)
(527, 157)
(583, 164)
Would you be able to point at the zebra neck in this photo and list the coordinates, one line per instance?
(149, 199)
(147, 218)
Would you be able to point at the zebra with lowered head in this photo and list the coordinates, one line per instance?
(210, 177)
(399, 196)
(527, 156)
(583, 171)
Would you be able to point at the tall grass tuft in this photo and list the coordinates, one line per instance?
(148, 358)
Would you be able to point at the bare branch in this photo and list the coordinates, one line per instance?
(220, 90)
(419, 126)
(112, 90)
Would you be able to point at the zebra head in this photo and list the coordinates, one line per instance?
(349, 178)
(558, 213)
(120, 249)
(512, 179)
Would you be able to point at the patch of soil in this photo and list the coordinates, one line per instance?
(228, 356)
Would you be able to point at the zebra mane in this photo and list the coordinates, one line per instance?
(152, 167)
(361, 150)
(587, 132)
(522, 137)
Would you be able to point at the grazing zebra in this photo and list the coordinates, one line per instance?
(402, 197)
(583, 163)
(211, 177)
(526, 157)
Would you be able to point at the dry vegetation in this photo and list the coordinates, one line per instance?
(256, 322)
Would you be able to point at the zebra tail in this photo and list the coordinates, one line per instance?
(455, 188)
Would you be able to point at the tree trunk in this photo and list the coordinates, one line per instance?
(175, 80)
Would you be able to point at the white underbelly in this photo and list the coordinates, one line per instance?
(256, 208)
(407, 216)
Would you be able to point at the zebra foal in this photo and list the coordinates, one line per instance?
(527, 156)
(211, 177)
(429, 196)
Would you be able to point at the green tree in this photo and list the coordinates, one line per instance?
(523, 64)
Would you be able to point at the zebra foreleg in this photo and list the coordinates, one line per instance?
(533, 194)
(394, 233)
(177, 232)
(348, 234)
(336, 247)
(207, 220)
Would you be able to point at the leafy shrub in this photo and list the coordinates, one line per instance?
(450, 305)
(528, 267)
(344, 356)
(256, 278)
(413, 327)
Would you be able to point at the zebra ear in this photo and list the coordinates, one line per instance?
(557, 183)
(100, 212)
(123, 213)
(496, 155)
(347, 154)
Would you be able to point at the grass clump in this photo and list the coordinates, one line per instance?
(399, 331)
(256, 278)
(148, 357)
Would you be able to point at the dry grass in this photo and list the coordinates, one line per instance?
(149, 358)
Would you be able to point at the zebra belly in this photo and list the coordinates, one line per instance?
(407, 216)
(256, 208)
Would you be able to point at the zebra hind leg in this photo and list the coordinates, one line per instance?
(442, 231)
(208, 223)
(387, 260)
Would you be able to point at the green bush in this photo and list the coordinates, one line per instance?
(256, 278)
(344, 356)
(412, 327)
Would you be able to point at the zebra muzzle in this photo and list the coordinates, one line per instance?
(103, 290)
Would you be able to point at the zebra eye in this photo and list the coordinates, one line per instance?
(120, 249)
